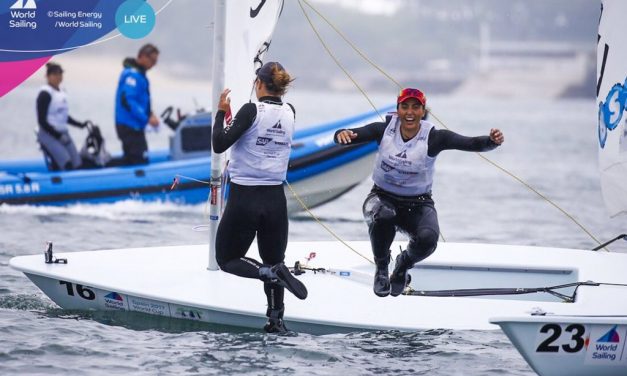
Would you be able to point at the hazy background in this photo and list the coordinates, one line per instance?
(458, 47)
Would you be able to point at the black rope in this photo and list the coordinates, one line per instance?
(504, 291)
(299, 269)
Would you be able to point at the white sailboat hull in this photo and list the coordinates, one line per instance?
(174, 282)
(556, 345)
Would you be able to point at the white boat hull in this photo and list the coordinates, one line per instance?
(556, 345)
(174, 282)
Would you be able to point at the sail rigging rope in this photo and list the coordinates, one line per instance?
(203, 227)
(175, 183)
(306, 208)
(353, 46)
(337, 62)
(363, 55)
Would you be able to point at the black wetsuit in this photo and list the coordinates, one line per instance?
(251, 210)
(416, 216)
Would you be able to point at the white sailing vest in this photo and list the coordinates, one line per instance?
(260, 156)
(404, 168)
(58, 111)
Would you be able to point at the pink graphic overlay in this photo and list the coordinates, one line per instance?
(13, 73)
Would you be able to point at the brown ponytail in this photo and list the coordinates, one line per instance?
(280, 81)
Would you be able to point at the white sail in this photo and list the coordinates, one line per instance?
(611, 99)
(242, 33)
(249, 28)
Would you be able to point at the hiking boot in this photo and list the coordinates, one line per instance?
(381, 285)
(275, 322)
(400, 278)
(275, 327)
(281, 275)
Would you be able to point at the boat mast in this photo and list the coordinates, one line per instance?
(219, 27)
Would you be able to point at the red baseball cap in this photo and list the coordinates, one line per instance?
(407, 93)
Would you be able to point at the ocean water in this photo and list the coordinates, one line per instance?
(549, 144)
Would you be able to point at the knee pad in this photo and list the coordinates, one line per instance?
(375, 209)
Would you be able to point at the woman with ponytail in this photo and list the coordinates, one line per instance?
(260, 138)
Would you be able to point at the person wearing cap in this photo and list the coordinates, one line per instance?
(132, 107)
(260, 139)
(53, 117)
(400, 199)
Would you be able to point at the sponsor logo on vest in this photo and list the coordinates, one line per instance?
(276, 128)
(263, 141)
(386, 167)
(402, 154)
(282, 143)
(400, 159)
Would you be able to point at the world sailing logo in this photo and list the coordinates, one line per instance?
(276, 129)
(402, 154)
(24, 4)
(607, 349)
(113, 300)
(611, 111)
(611, 336)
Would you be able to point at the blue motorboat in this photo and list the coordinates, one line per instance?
(319, 170)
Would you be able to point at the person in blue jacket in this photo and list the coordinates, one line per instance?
(132, 107)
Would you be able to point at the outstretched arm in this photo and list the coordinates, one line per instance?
(443, 139)
(367, 133)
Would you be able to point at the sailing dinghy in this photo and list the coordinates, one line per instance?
(459, 287)
(570, 342)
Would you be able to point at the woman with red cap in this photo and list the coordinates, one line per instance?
(260, 138)
(403, 175)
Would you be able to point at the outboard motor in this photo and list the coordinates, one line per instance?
(166, 116)
(192, 136)
(93, 152)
